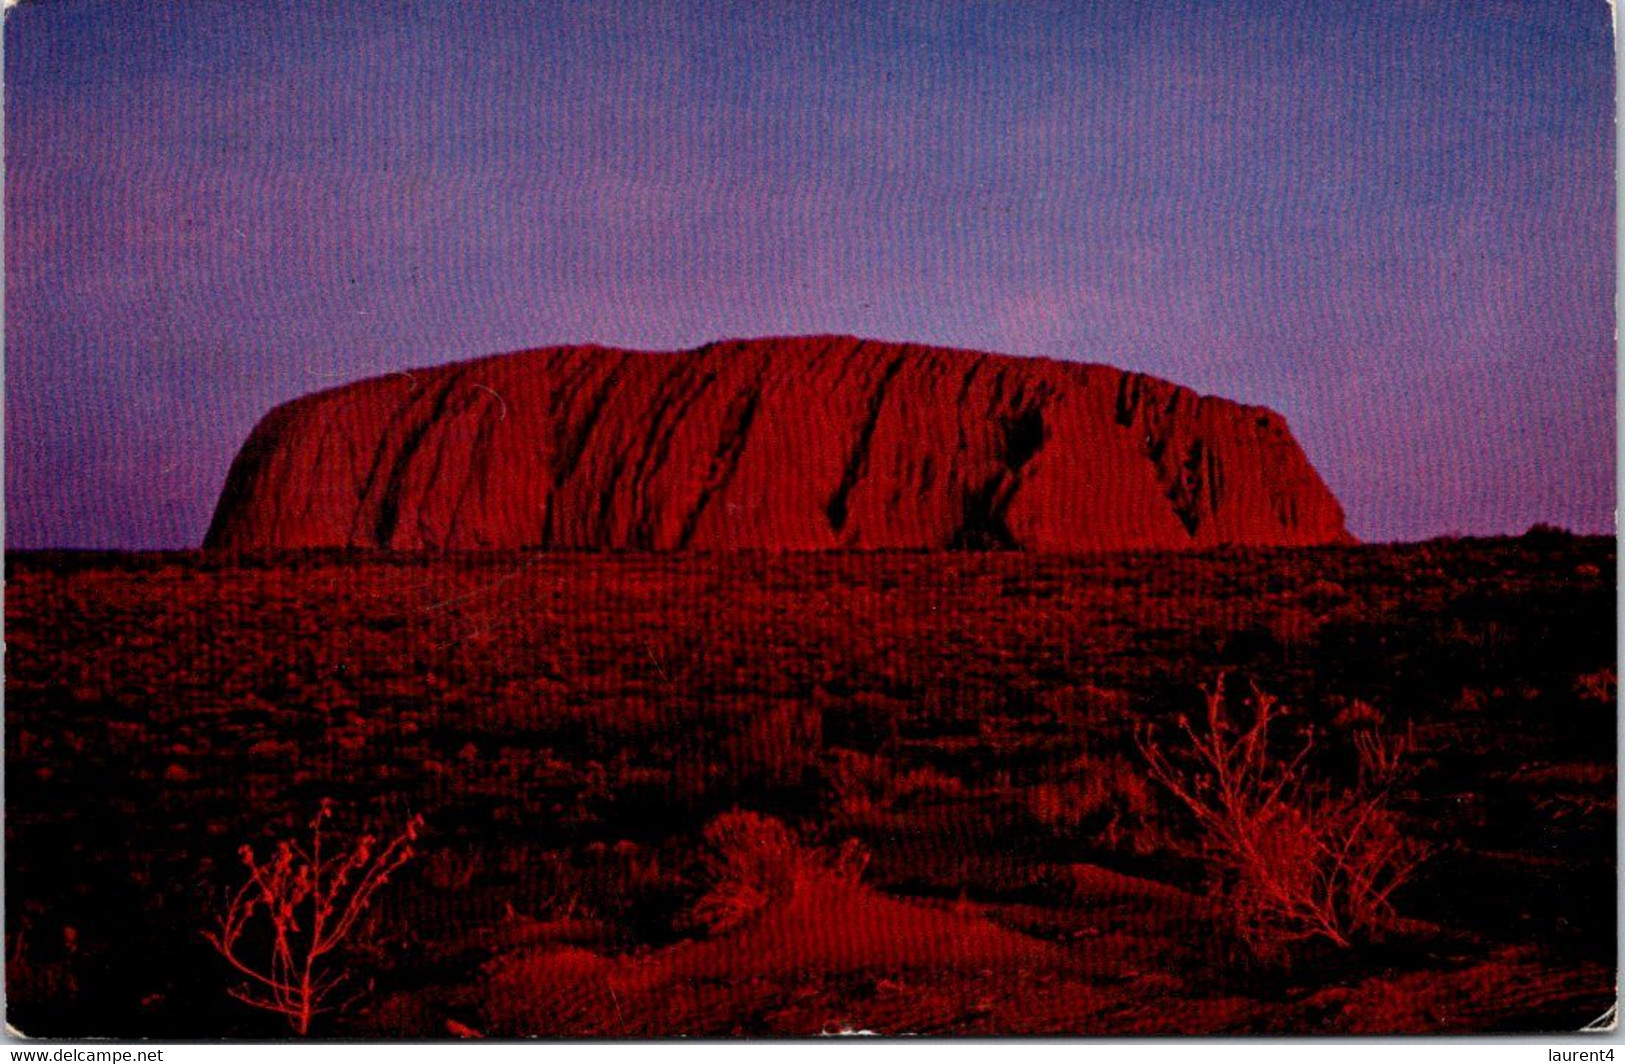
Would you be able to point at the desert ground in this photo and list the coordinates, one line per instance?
(796, 794)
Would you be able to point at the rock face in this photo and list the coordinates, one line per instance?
(791, 444)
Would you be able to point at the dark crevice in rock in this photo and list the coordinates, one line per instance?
(1128, 398)
(668, 417)
(858, 461)
(572, 449)
(1021, 436)
(1189, 487)
(736, 427)
(389, 508)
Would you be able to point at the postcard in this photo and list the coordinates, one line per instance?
(693, 519)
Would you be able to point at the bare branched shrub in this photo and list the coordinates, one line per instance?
(1382, 755)
(1294, 858)
(284, 929)
(751, 861)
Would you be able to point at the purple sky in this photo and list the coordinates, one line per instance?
(1391, 222)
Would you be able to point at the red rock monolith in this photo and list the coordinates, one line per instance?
(809, 443)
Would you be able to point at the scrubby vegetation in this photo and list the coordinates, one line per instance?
(600, 746)
(1293, 856)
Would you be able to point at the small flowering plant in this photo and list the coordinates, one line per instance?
(284, 929)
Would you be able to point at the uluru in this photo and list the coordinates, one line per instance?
(807, 443)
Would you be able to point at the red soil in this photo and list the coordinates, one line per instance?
(573, 728)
